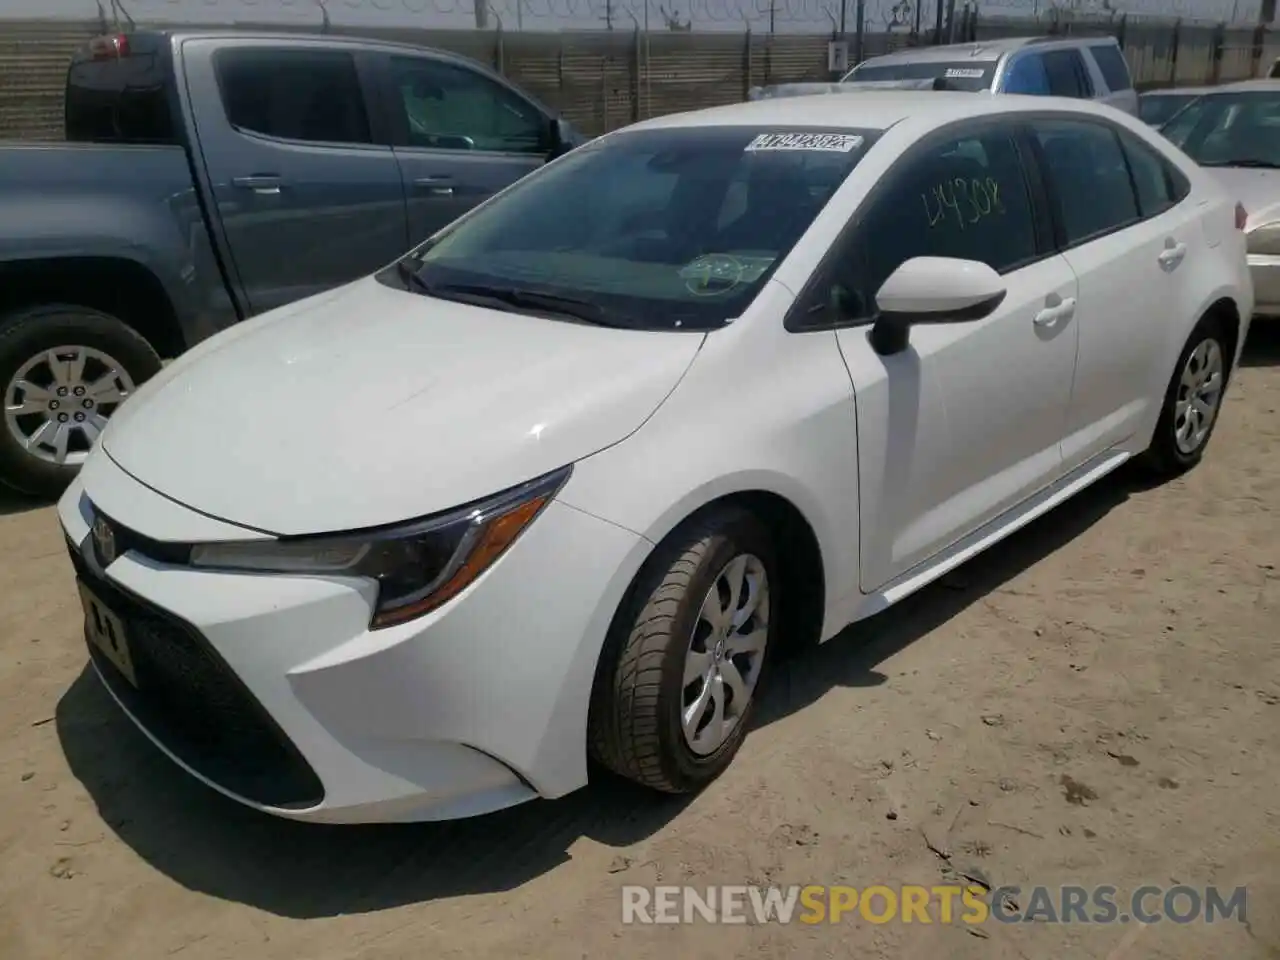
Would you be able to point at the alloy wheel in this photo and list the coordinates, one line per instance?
(58, 402)
(726, 654)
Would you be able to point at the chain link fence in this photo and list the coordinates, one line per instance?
(604, 80)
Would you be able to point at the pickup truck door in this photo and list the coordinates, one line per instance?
(306, 189)
(459, 135)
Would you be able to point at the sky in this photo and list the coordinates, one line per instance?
(808, 16)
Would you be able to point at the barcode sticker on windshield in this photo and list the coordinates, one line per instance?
(826, 142)
(963, 73)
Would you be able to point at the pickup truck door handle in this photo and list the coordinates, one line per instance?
(439, 184)
(259, 183)
(1062, 310)
(1172, 255)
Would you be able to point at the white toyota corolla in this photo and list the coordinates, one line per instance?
(558, 483)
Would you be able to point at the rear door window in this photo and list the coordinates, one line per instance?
(1160, 187)
(1112, 64)
(1088, 176)
(309, 95)
(1067, 74)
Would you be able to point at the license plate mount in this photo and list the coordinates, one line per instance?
(106, 632)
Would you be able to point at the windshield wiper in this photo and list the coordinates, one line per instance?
(523, 299)
(1250, 163)
(407, 270)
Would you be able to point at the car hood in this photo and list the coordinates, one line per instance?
(1258, 190)
(372, 405)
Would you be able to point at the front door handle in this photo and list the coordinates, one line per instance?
(439, 185)
(1049, 316)
(266, 183)
(1172, 255)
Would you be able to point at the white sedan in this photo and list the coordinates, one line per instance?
(557, 485)
(1234, 131)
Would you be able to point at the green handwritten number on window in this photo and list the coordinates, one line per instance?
(980, 197)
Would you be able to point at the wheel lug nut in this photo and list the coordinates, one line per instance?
(62, 391)
(87, 404)
(79, 391)
(63, 418)
(53, 404)
(79, 418)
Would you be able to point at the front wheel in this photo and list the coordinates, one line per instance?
(64, 370)
(1192, 401)
(677, 684)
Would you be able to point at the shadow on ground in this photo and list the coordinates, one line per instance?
(1262, 349)
(212, 845)
(13, 502)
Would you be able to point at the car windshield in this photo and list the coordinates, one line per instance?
(1230, 129)
(968, 75)
(1156, 108)
(664, 229)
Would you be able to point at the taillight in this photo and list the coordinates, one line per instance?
(109, 47)
(1242, 216)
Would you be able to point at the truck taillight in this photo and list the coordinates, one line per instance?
(1242, 216)
(109, 47)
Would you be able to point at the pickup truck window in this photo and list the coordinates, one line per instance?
(1113, 66)
(120, 99)
(1067, 74)
(448, 107)
(966, 75)
(310, 95)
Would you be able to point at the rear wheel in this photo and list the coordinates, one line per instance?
(677, 686)
(1192, 401)
(64, 370)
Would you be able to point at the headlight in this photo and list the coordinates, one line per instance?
(417, 566)
(1265, 239)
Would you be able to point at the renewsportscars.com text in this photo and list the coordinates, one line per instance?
(879, 904)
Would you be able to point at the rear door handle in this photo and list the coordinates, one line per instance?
(259, 183)
(1052, 315)
(1172, 255)
(439, 184)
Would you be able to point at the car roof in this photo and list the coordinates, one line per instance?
(983, 50)
(1178, 92)
(1263, 84)
(864, 110)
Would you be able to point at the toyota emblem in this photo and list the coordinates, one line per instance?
(104, 541)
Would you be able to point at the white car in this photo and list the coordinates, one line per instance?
(558, 483)
(1233, 131)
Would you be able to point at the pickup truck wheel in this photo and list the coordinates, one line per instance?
(64, 370)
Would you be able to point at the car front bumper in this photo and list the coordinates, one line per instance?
(272, 689)
(1265, 272)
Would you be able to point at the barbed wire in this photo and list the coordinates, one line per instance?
(750, 14)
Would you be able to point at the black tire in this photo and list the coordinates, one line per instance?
(25, 334)
(1164, 459)
(635, 726)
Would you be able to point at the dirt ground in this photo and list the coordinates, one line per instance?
(1096, 701)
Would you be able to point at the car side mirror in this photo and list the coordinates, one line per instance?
(933, 290)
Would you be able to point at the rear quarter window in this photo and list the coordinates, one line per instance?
(1113, 66)
(121, 99)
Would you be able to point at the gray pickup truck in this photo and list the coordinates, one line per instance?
(211, 176)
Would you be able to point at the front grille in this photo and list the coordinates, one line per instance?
(191, 701)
